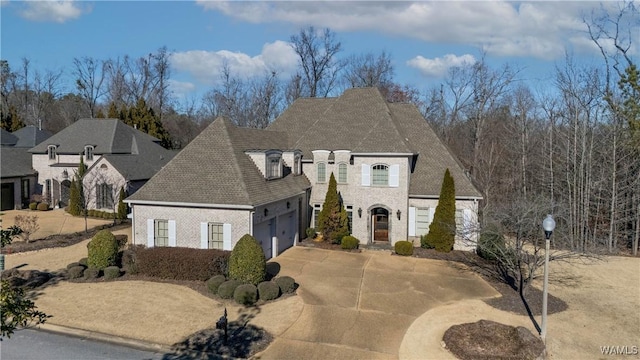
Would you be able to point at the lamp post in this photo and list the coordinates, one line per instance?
(548, 224)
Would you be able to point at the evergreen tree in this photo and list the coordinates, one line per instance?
(144, 119)
(75, 201)
(333, 221)
(113, 112)
(10, 120)
(122, 207)
(442, 230)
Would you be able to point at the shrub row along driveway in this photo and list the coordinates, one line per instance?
(360, 305)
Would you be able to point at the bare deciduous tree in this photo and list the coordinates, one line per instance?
(90, 74)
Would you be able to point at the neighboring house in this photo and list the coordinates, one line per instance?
(116, 155)
(19, 179)
(388, 163)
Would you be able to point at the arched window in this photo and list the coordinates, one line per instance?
(88, 153)
(51, 151)
(322, 172)
(274, 166)
(380, 175)
(342, 173)
(297, 165)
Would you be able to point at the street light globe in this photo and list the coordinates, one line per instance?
(548, 224)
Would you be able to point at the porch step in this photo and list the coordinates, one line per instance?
(378, 246)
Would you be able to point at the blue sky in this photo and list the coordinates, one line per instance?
(424, 38)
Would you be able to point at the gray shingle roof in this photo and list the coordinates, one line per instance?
(30, 136)
(7, 139)
(16, 162)
(214, 169)
(108, 136)
(139, 167)
(362, 121)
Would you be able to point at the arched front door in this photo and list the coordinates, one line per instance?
(380, 221)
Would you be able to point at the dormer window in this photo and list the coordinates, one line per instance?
(274, 166)
(51, 151)
(88, 153)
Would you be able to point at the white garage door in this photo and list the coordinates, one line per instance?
(286, 231)
(262, 233)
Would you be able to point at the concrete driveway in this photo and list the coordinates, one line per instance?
(360, 305)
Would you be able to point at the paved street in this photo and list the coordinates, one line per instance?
(41, 345)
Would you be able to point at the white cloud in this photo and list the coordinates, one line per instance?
(206, 66)
(181, 88)
(439, 66)
(50, 10)
(503, 28)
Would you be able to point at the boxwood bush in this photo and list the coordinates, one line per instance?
(214, 283)
(84, 261)
(349, 242)
(404, 248)
(227, 288)
(179, 263)
(43, 206)
(111, 272)
(247, 262)
(91, 273)
(311, 233)
(103, 250)
(268, 290)
(246, 294)
(33, 206)
(75, 272)
(287, 284)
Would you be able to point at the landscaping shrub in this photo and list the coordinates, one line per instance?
(128, 260)
(333, 220)
(103, 250)
(349, 242)
(84, 262)
(73, 264)
(268, 290)
(425, 242)
(111, 272)
(246, 294)
(287, 284)
(107, 215)
(179, 263)
(33, 206)
(227, 288)
(247, 262)
(214, 283)
(75, 272)
(311, 233)
(404, 248)
(43, 206)
(491, 244)
(122, 241)
(442, 230)
(91, 273)
(91, 213)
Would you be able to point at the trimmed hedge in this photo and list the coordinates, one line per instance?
(247, 262)
(33, 206)
(214, 283)
(268, 290)
(103, 250)
(111, 272)
(287, 284)
(246, 294)
(84, 262)
(73, 264)
(91, 273)
(43, 206)
(349, 242)
(179, 263)
(404, 248)
(227, 288)
(75, 272)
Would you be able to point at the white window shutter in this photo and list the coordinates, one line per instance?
(150, 233)
(394, 175)
(172, 233)
(226, 237)
(366, 175)
(204, 235)
(412, 221)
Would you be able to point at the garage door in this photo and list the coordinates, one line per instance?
(262, 233)
(7, 197)
(286, 231)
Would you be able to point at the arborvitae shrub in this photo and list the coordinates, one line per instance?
(442, 230)
(311, 233)
(246, 294)
(247, 262)
(91, 273)
(75, 272)
(214, 283)
(111, 272)
(122, 207)
(227, 288)
(404, 248)
(268, 290)
(103, 250)
(43, 206)
(349, 242)
(333, 221)
(181, 263)
(287, 284)
(424, 242)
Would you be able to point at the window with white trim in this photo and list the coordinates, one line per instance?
(88, 153)
(104, 196)
(342, 173)
(51, 151)
(316, 214)
(161, 233)
(274, 166)
(349, 209)
(322, 172)
(380, 175)
(216, 235)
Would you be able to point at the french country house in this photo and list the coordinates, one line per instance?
(230, 181)
(116, 155)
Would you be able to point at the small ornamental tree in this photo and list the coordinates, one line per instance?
(442, 230)
(122, 207)
(247, 262)
(333, 221)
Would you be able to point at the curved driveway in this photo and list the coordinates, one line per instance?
(360, 305)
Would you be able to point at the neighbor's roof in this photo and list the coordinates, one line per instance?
(16, 162)
(7, 139)
(30, 136)
(108, 136)
(139, 167)
(362, 121)
(214, 169)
